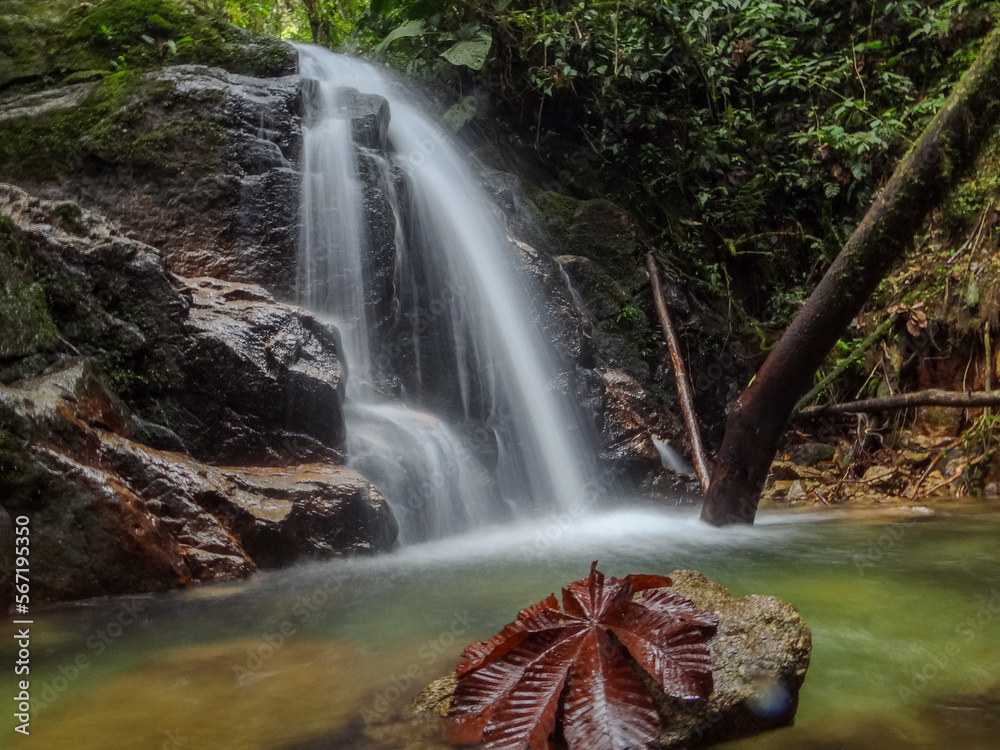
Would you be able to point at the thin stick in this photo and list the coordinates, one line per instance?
(930, 397)
(683, 384)
(946, 482)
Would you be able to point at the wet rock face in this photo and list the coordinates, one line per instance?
(116, 479)
(599, 248)
(111, 515)
(214, 368)
(240, 220)
(368, 113)
(252, 364)
(369, 116)
(629, 420)
(581, 259)
(621, 415)
(309, 511)
(760, 654)
(194, 160)
(381, 180)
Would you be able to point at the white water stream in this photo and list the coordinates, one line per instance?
(461, 351)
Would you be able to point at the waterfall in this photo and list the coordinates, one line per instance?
(451, 407)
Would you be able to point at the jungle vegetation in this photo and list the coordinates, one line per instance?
(749, 136)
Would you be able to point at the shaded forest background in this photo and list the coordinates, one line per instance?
(747, 136)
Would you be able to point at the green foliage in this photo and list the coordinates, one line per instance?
(470, 52)
(339, 24)
(749, 134)
(750, 116)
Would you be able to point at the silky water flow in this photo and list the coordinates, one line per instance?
(450, 405)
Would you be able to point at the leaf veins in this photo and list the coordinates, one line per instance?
(573, 663)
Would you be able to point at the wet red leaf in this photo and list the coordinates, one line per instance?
(572, 663)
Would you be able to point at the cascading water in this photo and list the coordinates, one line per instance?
(451, 410)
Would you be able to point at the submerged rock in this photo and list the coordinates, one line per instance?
(760, 654)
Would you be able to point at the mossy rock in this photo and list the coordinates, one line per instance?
(85, 76)
(125, 120)
(44, 42)
(623, 332)
(596, 229)
(28, 328)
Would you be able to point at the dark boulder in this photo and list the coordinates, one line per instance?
(215, 368)
(110, 515)
(369, 116)
(255, 369)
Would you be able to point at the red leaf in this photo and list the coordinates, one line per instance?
(670, 649)
(591, 596)
(606, 700)
(526, 716)
(678, 606)
(642, 582)
(477, 654)
(510, 687)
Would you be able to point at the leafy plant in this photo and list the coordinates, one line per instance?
(512, 688)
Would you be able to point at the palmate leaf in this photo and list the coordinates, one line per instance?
(471, 52)
(512, 688)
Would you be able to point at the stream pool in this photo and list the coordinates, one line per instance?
(904, 609)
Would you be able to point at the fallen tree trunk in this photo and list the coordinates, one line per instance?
(680, 373)
(757, 419)
(930, 397)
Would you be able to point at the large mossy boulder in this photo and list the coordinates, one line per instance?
(196, 161)
(47, 42)
(180, 127)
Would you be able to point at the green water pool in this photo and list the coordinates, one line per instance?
(904, 609)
